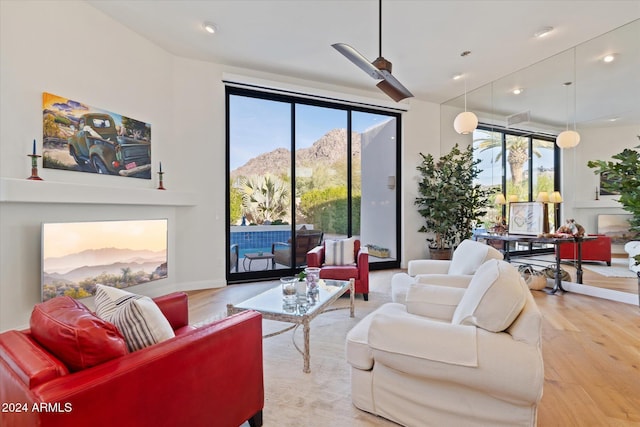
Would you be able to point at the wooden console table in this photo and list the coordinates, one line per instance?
(556, 241)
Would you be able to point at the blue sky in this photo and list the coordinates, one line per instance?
(259, 126)
(493, 175)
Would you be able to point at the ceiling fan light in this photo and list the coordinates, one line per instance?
(465, 123)
(568, 139)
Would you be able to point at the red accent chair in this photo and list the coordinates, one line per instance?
(204, 376)
(592, 250)
(358, 271)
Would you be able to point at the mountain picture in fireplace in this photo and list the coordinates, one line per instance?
(121, 253)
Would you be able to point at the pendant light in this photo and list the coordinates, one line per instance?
(466, 122)
(570, 138)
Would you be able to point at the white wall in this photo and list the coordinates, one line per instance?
(51, 46)
(579, 183)
(378, 220)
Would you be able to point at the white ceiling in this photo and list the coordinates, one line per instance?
(422, 38)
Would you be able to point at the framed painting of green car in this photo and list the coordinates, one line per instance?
(78, 137)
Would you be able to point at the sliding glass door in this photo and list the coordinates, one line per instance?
(301, 172)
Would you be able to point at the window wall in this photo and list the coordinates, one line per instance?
(303, 171)
(520, 166)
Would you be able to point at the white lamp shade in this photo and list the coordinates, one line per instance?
(568, 139)
(543, 197)
(513, 198)
(555, 197)
(465, 123)
(500, 200)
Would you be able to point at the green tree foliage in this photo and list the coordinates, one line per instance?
(623, 177)
(327, 209)
(50, 127)
(235, 205)
(448, 200)
(264, 198)
(517, 155)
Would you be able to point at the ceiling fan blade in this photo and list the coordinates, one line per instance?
(392, 87)
(357, 58)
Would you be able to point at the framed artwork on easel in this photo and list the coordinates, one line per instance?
(526, 218)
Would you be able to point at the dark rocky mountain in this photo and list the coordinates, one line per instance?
(327, 150)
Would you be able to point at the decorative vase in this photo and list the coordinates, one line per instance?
(312, 278)
(289, 289)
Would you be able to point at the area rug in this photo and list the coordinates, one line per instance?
(323, 396)
(619, 268)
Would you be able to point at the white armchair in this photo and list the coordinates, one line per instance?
(452, 356)
(457, 272)
(633, 249)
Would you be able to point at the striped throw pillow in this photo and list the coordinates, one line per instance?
(339, 252)
(137, 317)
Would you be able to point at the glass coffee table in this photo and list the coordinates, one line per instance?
(272, 307)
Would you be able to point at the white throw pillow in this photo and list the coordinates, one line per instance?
(339, 252)
(138, 318)
(470, 255)
(494, 298)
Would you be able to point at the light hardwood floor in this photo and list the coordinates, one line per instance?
(591, 350)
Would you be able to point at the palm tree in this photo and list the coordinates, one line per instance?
(518, 152)
(264, 198)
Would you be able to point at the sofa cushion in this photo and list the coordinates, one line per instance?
(436, 302)
(71, 332)
(137, 317)
(339, 252)
(494, 298)
(469, 255)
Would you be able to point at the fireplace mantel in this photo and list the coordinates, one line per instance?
(14, 190)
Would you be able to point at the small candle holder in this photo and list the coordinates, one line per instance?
(160, 186)
(34, 167)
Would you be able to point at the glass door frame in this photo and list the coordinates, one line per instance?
(239, 277)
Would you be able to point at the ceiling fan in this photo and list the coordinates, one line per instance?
(380, 69)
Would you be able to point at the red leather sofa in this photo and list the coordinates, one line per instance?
(206, 376)
(592, 250)
(358, 271)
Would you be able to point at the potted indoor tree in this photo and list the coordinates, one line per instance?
(449, 200)
(623, 177)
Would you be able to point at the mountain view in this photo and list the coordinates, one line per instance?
(96, 258)
(327, 150)
(77, 274)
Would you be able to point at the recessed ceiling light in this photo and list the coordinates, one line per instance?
(517, 91)
(614, 119)
(542, 32)
(609, 58)
(458, 76)
(210, 27)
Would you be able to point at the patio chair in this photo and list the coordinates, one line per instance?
(233, 257)
(305, 241)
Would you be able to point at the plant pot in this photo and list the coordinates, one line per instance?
(440, 253)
